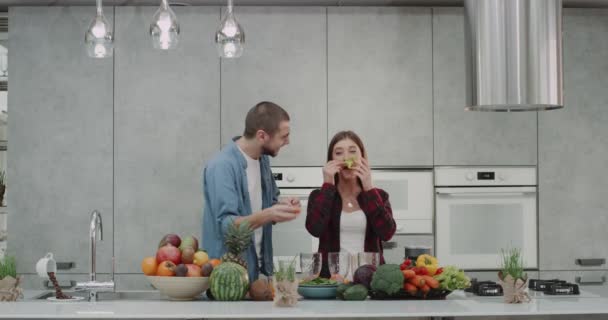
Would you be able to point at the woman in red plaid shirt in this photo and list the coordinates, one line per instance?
(348, 214)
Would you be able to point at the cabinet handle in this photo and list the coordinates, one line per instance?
(66, 265)
(590, 280)
(591, 262)
(389, 245)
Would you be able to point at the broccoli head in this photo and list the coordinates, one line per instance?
(388, 279)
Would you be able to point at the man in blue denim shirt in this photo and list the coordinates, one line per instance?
(238, 186)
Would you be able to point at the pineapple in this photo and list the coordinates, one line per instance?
(238, 239)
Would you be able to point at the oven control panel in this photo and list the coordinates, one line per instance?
(485, 176)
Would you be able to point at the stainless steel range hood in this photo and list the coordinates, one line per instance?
(514, 55)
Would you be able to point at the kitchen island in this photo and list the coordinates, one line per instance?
(458, 304)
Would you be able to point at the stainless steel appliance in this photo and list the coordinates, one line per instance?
(410, 192)
(514, 55)
(481, 210)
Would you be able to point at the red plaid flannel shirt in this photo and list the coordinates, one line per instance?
(323, 220)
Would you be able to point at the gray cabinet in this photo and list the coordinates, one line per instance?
(573, 212)
(284, 62)
(380, 81)
(471, 138)
(60, 129)
(166, 125)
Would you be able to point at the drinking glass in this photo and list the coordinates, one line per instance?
(339, 265)
(364, 258)
(310, 264)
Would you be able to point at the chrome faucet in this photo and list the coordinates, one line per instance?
(94, 286)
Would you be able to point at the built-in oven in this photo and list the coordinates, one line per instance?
(482, 210)
(410, 193)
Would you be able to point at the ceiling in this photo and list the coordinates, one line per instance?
(6, 3)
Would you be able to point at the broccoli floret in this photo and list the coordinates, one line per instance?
(388, 279)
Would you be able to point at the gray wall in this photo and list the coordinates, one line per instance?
(129, 135)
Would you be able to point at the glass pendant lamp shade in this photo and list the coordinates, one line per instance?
(99, 38)
(164, 29)
(229, 37)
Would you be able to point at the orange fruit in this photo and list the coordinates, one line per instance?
(166, 269)
(148, 266)
(215, 262)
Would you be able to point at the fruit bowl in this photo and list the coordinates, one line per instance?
(180, 288)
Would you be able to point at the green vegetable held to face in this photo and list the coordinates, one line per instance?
(350, 162)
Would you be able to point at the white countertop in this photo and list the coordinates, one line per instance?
(457, 304)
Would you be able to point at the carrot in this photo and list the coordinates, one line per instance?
(407, 274)
(431, 282)
(425, 289)
(410, 288)
(418, 281)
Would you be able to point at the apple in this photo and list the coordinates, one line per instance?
(189, 241)
(193, 270)
(170, 238)
(169, 252)
(188, 255)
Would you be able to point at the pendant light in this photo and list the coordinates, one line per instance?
(229, 36)
(164, 29)
(514, 55)
(99, 38)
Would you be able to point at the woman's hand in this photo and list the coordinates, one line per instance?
(330, 169)
(364, 173)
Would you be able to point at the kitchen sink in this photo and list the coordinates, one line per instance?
(110, 296)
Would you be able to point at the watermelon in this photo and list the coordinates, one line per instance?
(229, 282)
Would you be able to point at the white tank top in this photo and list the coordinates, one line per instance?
(352, 231)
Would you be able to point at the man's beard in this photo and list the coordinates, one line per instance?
(269, 152)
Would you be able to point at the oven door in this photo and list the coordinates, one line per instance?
(291, 238)
(411, 197)
(474, 224)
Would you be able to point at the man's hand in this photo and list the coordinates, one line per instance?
(283, 212)
(292, 201)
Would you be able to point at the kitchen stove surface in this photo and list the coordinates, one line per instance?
(553, 287)
(538, 288)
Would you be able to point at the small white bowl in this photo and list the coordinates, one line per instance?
(180, 288)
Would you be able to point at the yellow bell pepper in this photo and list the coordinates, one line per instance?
(429, 262)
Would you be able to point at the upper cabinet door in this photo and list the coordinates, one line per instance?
(60, 128)
(573, 156)
(166, 126)
(470, 137)
(380, 80)
(284, 62)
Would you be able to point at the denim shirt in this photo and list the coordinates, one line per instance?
(226, 197)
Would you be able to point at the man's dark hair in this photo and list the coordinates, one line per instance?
(264, 116)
